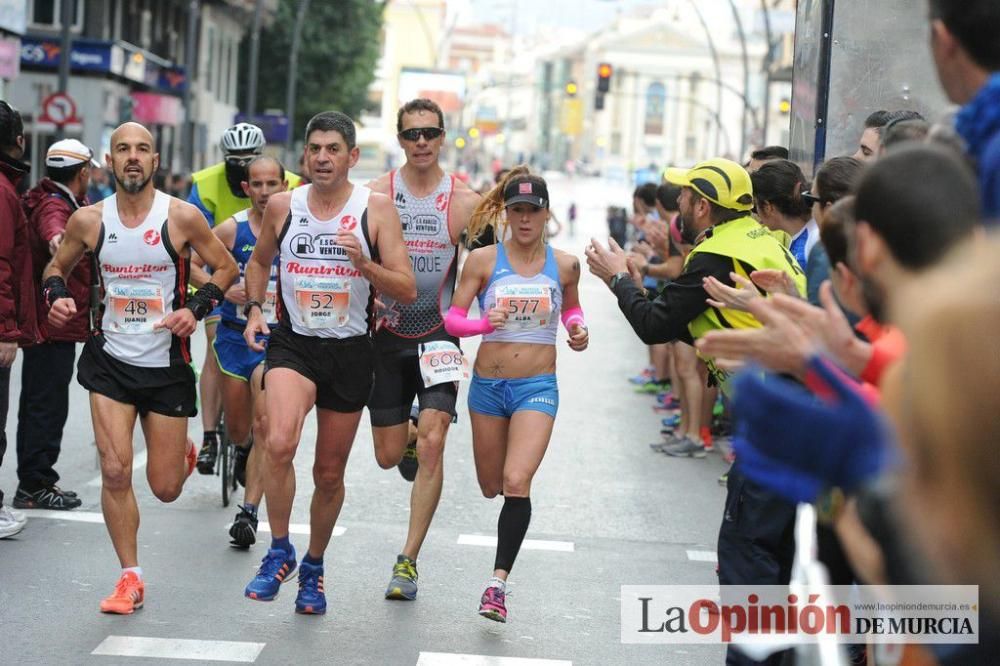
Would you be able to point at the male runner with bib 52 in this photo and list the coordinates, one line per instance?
(434, 209)
(337, 244)
(136, 362)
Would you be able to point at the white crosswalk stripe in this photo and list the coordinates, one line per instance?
(452, 659)
(179, 648)
(528, 544)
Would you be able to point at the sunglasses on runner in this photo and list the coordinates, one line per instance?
(414, 133)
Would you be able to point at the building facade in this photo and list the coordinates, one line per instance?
(129, 61)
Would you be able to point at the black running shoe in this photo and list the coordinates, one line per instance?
(240, 464)
(45, 498)
(244, 529)
(409, 464)
(208, 455)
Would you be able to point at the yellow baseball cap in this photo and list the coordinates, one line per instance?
(721, 181)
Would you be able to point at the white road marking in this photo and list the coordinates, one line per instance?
(94, 517)
(138, 462)
(179, 648)
(528, 544)
(703, 556)
(298, 528)
(73, 516)
(450, 659)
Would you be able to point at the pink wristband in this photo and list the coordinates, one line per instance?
(572, 316)
(457, 323)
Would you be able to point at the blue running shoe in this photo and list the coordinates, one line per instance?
(276, 567)
(312, 598)
(671, 421)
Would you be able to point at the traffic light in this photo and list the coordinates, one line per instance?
(599, 102)
(604, 77)
(784, 106)
(571, 88)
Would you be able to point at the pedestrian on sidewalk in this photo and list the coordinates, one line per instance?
(17, 289)
(48, 367)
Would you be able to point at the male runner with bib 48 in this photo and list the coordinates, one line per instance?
(136, 362)
(337, 244)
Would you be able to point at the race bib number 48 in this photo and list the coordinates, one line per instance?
(441, 362)
(527, 305)
(323, 302)
(134, 308)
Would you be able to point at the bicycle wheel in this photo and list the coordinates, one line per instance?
(226, 463)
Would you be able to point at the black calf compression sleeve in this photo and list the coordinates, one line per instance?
(511, 528)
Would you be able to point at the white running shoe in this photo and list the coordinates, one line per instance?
(11, 522)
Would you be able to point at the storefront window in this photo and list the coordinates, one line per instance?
(47, 13)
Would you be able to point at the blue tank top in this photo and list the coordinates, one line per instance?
(525, 301)
(243, 245)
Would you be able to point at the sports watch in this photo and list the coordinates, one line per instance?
(617, 277)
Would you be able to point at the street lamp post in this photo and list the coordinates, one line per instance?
(251, 107)
(190, 53)
(746, 78)
(293, 72)
(715, 61)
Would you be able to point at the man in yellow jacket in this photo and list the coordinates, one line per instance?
(756, 542)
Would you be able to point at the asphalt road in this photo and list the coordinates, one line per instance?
(606, 512)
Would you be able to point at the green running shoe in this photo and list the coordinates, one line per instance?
(403, 585)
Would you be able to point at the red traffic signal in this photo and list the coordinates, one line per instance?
(604, 72)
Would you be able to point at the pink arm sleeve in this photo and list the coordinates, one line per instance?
(573, 316)
(457, 323)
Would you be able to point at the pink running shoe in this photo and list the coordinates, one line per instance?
(491, 606)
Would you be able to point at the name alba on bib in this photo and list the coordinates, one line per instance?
(527, 305)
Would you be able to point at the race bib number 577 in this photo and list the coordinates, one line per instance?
(527, 305)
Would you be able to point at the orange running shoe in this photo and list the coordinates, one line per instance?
(191, 457)
(128, 595)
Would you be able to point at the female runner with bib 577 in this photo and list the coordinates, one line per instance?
(524, 286)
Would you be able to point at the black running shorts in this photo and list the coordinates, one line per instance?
(398, 382)
(169, 391)
(342, 370)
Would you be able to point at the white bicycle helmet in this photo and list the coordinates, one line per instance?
(242, 138)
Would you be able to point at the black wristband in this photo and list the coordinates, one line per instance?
(205, 300)
(250, 305)
(53, 289)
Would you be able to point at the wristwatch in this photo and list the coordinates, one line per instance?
(249, 305)
(623, 275)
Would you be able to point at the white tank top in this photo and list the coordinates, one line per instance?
(321, 293)
(434, 258)
(144, 280)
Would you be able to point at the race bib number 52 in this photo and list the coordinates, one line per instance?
(527, 305)
(323, 302)
(134, 308)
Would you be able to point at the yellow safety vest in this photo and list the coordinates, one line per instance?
(214, 192)
(750, 246)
